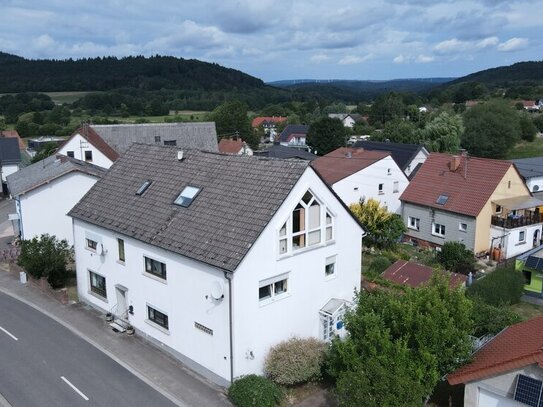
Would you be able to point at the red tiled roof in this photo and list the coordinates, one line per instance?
(93, 138)
(337, 165)
(468, 188)
(230, 146)
(13, 134)
(257, 121)
(413, 274)
(515, 347)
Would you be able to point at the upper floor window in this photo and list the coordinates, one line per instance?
(155, 267)
(310, 224)
(438, 229)
(170, 142)
(88, 156)
(381, 189)
(70, 154)
(413, 223)
(91, 244)
(396, 186)
(273, 288)
(120, 244)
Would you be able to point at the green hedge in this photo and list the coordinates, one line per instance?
(254, 391)
(501, 287)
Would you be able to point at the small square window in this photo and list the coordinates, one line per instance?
(381, 187)
(330, 266)
(157, 317)
(157, 139)
(498, 209)
(438, 230)
(463, 227)
(186, 197)
(413, 223)
(155, 267)
(88, 156)
(522, 236)
(91, 244)
(70, 154)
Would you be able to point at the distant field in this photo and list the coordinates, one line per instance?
(66, 97)
(525, 149)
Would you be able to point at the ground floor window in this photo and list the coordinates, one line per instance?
(157, 317)
(413, 223)
(98, 284)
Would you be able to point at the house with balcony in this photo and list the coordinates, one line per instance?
(215, 258)
(294, 135)
(356, 174)
(531, 170)
(482, 203)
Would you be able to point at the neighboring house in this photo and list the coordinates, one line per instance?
(507, 371)
(415, 275)
(530, 264)
(13, 134)
(294, 135)
(234, 146)
(409, 157)
(268, 124)
(279, 151)
(10, 157)
(530, 105)
(103, 144)
(480, 202)
(348, 119)
(216, 257)
(531, 170)
(355, 173)
(44, 192)
(36, 144)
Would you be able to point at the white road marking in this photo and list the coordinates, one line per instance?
(9, 334)
(75, 388)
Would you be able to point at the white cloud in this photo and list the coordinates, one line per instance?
(451, 46)
(400, 59)
(354, 59)
(318, 58)
(424, 59)
(513, 44)
(488, 42)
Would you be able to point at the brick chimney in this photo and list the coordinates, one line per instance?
(455, 162)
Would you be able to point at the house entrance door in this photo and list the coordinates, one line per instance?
(536, 238)
(122, 307)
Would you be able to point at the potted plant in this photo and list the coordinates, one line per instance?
(130, 330)
(109, 317)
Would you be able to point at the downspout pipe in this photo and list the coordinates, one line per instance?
(228, 276)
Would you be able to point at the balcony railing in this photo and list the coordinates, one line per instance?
(512, 222)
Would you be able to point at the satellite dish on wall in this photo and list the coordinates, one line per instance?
(100, 249)
(217, 290)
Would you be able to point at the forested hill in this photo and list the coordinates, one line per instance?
(101, 74)
(521, 72)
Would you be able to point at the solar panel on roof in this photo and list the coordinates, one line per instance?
(442, 199)
(528, 391)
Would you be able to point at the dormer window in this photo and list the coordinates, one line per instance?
(186, 196)
(310, 224)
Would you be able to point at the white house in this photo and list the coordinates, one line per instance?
(346, 119)
(355, 173)
(409, 157)
(103, 144)
(507, 371)
(294, 135)
(44, 192)
(531, 170)
(213, 259)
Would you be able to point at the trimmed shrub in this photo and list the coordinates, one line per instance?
(455, 257)
(295, 361)
(254, 391)
(489, 319)
(501, 287)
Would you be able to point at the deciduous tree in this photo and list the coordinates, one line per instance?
(326, 135)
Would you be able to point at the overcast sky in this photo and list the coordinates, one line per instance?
(286, 39)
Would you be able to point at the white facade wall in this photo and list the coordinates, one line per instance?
(420, 158)
(256, 325)
(510, 241)
(349, 122)
(44, 209)
(182, 296)
(365, 184)
(294, 142)
(8, 170)
(79, 145)
(259, 325)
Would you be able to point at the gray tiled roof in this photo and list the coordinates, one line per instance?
(9, 151)
(46, 170)
(238, 197)
(202, 136)
(279, 151)
(293, 129)
(529, 167)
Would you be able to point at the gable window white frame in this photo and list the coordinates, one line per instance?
(438, 229)
(70, 154)
(310, 224)
(381, 189)
(413, 223)
(273, 289)
(88, 156)
(463, 227)
(91, 244)
(522, 236)
(97, 285)
(396, 187)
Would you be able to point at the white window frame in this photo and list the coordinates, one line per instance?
(91, 244)
(381, 188)
(285, 234)
(151, 322)
(463, 227)
(96, 292)
(498, 210)
(156, 276)
(273, 285)
(413, 225)
(330, 261)
(396, 187)
(522, 233)
(442, 229)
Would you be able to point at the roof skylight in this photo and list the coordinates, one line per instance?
(442, 199)
(186, 196)
(144, 187)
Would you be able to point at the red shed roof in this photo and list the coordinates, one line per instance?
(257, 121)
(515, 347)
(467, 188)
(414, 274)
(230, 146)
(345, 161)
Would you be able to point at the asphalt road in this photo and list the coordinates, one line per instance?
(44, 364)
